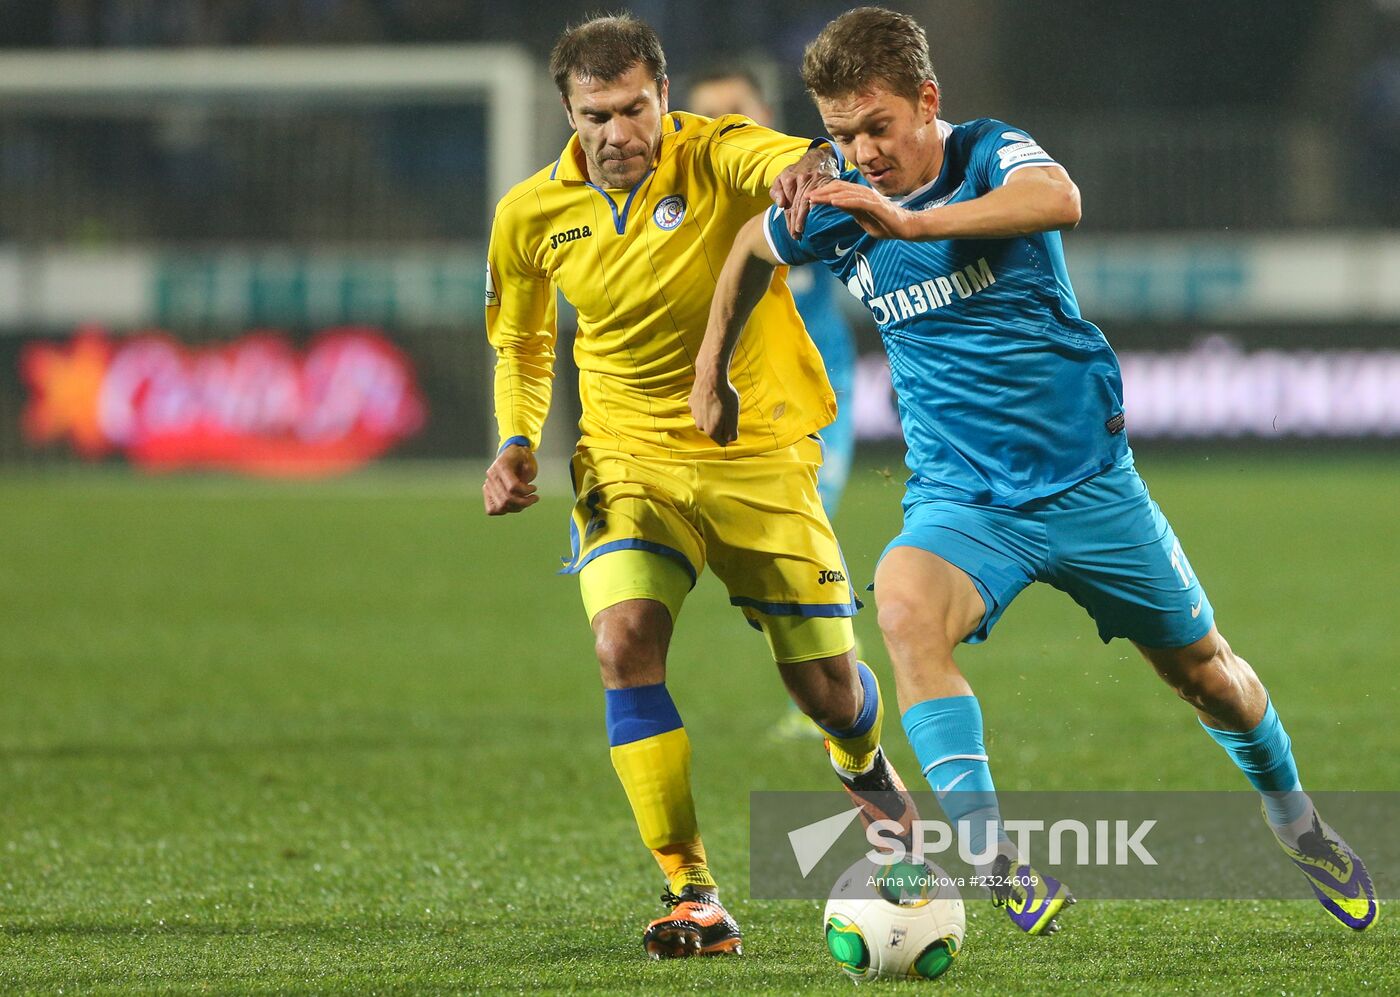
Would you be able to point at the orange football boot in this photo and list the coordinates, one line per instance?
(697, 925)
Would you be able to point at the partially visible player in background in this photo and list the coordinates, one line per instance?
(731, 89)
(726, 89)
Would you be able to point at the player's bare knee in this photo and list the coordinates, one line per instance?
(1205, 687)
(1236, 665)
(1213, 679)
(1206, 673)
(914, 629)
(1243, 692)
(630, 640)
(904, 620)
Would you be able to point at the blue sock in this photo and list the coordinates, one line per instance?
(1265, 756)
(946, 735)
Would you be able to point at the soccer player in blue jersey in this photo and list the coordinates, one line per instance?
(1012, 410)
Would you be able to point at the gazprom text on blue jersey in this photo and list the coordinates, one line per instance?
(923, 297)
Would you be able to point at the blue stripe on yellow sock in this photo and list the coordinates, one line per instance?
(651, 754)
(639, 712)
(853, 749)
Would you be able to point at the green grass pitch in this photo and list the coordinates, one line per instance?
(348, 738)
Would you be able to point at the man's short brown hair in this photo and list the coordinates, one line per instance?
(865, 48)
(604, 48)
(718, 72)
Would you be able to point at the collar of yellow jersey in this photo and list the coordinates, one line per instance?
(570, 167)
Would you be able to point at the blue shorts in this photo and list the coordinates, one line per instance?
(1104, 541)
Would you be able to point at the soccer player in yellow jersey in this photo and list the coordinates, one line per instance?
(632, 224)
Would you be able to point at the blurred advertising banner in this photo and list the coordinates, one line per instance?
(257, 401)
(1308, 277)
(1194, 383)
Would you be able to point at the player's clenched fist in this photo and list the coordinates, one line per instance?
(714, 404)
(508, 487)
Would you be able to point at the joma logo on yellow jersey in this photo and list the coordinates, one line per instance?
(569, 235)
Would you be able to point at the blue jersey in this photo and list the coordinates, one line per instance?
(1006, 394)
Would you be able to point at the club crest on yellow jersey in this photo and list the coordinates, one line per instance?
(669, 212)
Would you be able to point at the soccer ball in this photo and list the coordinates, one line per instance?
(904, 920)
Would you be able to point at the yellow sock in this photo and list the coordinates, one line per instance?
(854, 749)
(655, 773)
(684, 865)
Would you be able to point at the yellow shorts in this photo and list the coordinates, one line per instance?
(757, 521)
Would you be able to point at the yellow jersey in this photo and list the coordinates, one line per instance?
(640, 267)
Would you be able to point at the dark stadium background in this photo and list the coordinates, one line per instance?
(344, 734)
(1238, 163)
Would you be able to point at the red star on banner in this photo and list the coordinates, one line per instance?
(64, 381)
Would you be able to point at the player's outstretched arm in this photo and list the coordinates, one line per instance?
(508, 485)
(1033, 199)
(747, 272)
(753, 159)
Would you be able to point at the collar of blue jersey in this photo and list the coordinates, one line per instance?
(944, 130)
(569, 166)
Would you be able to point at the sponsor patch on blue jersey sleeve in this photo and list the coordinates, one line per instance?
(999, 150)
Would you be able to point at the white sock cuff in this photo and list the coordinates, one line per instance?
(952, 758)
